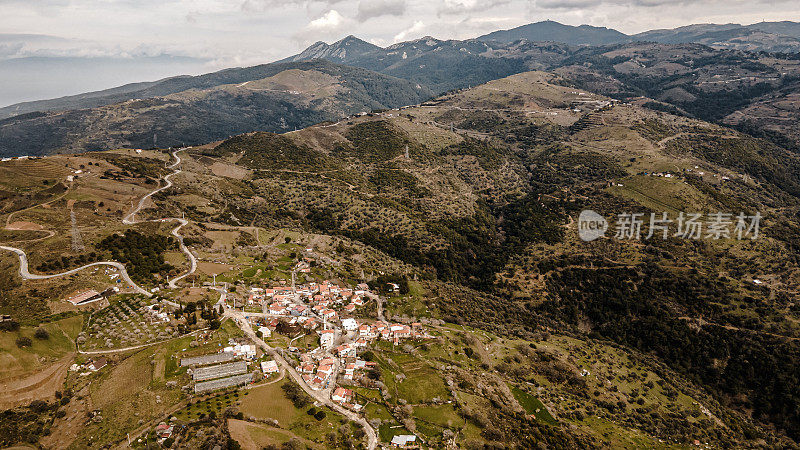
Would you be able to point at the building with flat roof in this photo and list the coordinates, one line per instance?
(222, 383)
(219, 371)
(205, 360)
(404, 440)
(85, 297)
(269, 367)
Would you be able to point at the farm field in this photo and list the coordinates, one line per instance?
(269, 402)
(125, 323)
(252, 436)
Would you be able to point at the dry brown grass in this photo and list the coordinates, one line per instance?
(40, 385)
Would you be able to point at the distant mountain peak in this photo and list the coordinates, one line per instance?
(549, 30)
(341, 51)
(349, 40)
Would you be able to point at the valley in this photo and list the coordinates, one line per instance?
(413, 271)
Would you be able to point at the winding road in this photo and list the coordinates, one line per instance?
(130, 219)
(127, 220)
(26, 275)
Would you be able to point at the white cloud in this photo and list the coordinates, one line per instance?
(253, 31)
(368, 9)
(410, 32)
(330, 21)
(261, 6)
(456, 7)
(330, 25)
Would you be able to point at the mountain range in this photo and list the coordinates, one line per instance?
(472, 200)
(451, 176)
(721, 73)
(174, 111)
(763, 36)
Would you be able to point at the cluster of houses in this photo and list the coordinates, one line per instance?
(354, 368)
(350, 348)
(394, 332)
(320, 367)
(309, 323)
(321, 298)
(327, 308)
(317, 369)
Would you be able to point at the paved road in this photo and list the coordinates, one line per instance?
(184, 249)
(128, 220)
(26, 275)
(320, 396)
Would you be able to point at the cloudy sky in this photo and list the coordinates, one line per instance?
(208, 34)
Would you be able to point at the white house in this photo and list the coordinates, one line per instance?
(349, 324)
(246, 351)
(404, 440)
(269, 367)
(326, 338)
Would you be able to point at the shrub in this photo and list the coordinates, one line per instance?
(23, 341)
(296, 395)
(9, 325)
(38, 406)
(41, 334)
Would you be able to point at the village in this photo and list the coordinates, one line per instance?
(324, 315)
(319, 334)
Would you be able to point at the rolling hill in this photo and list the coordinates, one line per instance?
(471, 199)
(711, 72)
(175, 111)
(474, 192)
(753, 91)
(476, 189)
(773, 37)
(549, 30)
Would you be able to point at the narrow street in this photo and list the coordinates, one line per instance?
(322, 396)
